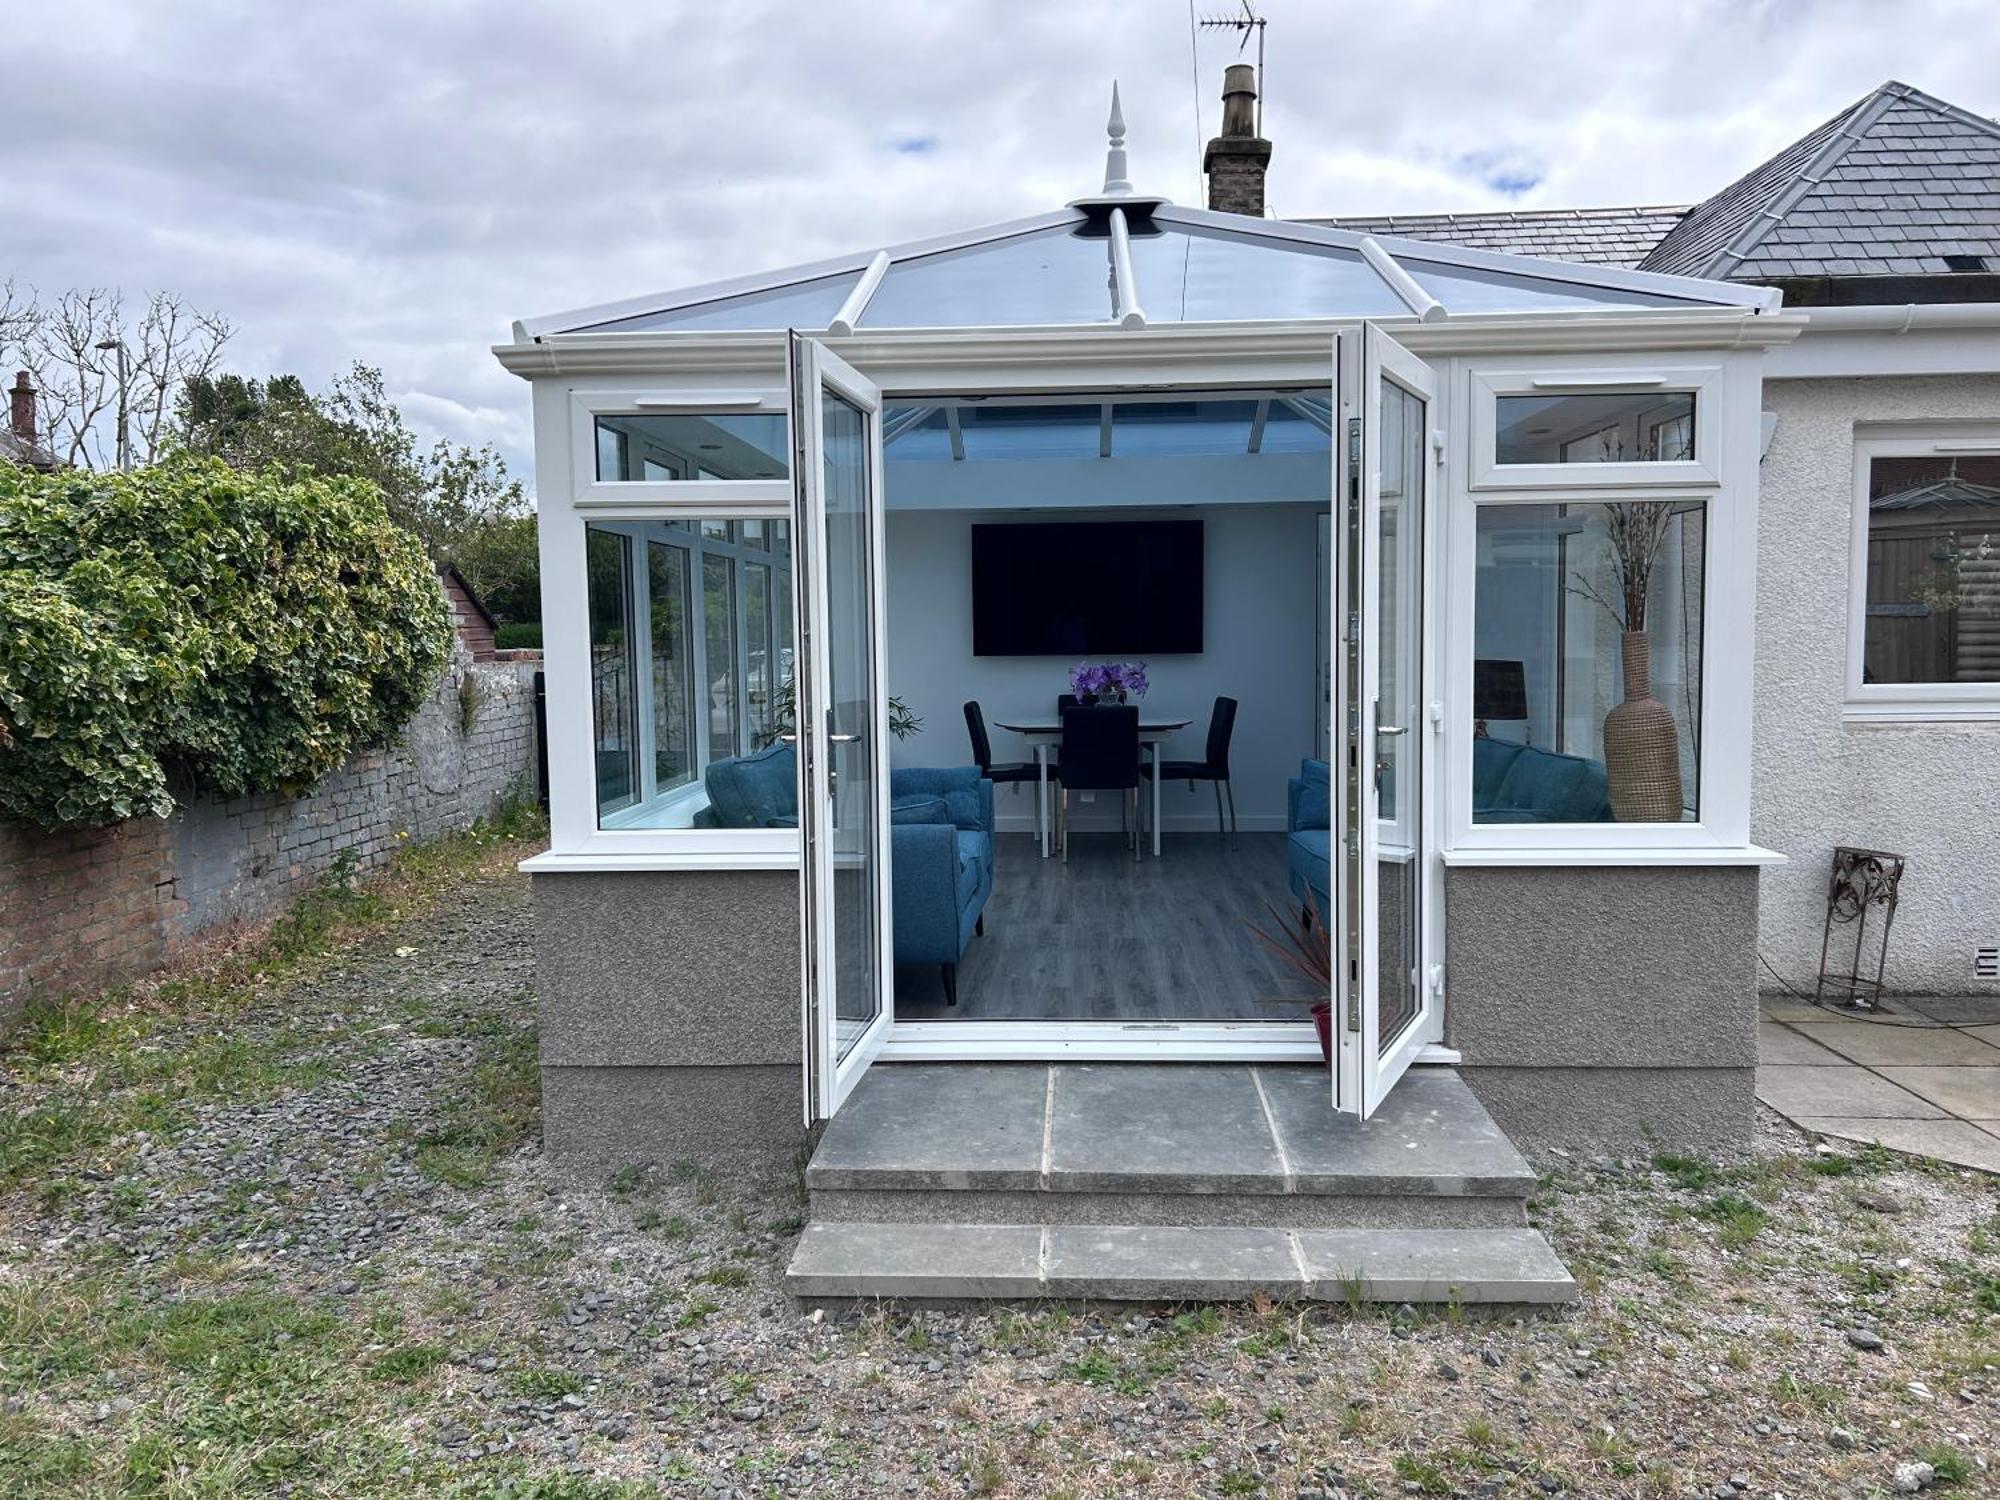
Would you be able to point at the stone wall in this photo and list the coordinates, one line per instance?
(85, 908)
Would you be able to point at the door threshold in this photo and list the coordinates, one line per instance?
(1106, 1041)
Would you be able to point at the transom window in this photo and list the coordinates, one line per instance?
(1596, 428)
(663, 446)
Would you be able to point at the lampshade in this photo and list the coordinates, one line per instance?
(1499, 689)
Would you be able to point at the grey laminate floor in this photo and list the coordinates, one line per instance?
(1102, 938)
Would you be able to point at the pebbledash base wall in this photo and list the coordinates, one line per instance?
(1595, 1010)
(85, 908)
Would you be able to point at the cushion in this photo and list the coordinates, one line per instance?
(1315, 795)
(919, 808)
(965, 808)
(971, 870)
(760, 790)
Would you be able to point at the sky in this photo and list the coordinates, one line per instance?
(395, 183)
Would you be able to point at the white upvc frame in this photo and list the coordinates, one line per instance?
(1573, 377)
(587, 404)
(1721, 833)
(1909, 702)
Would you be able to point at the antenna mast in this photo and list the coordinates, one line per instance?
(1246, 23)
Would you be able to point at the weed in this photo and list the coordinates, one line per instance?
(1688, 1173)
(1952, 1466)
(545, 1383)
(410, 1363)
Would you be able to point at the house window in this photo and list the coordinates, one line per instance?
(666, 446)
(1595, 428)
(691, 659)
(1932, 571)
(1587, 647)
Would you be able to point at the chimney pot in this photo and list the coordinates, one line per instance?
(21, 407)
(1237, 159)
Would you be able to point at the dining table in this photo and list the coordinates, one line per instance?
(1043, 733)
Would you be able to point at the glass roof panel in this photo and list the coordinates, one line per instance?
(1189, 274)
(803, 304)
(1048, 276)
(1293, 423)
(1464, 290)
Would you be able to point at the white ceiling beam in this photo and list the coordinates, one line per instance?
(1130, 314)
(957, 437)
(1257, 424)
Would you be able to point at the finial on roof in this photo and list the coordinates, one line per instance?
(1116, 183)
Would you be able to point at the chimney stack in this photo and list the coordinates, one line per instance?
(21, 408)
(1237, 159)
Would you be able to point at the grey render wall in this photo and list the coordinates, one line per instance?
(1931, 791)
(670, 1016)
(1606, 1008)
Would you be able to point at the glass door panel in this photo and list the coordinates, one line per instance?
(842, 719)
(1384, 1004)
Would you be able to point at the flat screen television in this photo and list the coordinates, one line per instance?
(1087, 588)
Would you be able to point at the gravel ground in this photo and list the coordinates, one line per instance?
(346, 1269)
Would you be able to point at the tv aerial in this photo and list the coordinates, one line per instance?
(1248, 23)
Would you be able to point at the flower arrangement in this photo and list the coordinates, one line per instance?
(1108, 682)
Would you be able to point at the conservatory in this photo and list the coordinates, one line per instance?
(1464, 541)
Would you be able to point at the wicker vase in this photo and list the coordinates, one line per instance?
(1642, 757)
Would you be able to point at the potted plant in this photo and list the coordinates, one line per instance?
(1642, 757)
(1109, 682)
(1304, 944)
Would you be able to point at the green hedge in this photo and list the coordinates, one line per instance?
(525, 635)
(187, 625)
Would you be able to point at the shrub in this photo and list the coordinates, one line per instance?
(524, 636)
(188, 625)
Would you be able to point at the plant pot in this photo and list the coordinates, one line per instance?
(1642, 757)
(1323, 1024)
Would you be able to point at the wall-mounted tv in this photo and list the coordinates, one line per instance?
(1087, 588)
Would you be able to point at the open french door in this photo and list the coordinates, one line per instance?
(1386, 990)
(842, 719)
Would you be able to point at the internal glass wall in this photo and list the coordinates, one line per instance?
(1933, 570)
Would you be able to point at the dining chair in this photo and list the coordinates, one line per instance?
(1100, 753)
(1215, 767)
(982, 751)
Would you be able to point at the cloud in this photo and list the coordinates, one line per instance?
(397, 182)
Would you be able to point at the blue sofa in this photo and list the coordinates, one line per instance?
(1510, 784)
(940, 844)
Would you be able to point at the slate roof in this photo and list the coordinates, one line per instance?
(25, 455)
(1588, 236)
(1888, 187)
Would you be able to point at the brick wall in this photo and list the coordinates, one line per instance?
(85, 908)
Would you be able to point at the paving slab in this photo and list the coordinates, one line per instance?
(1955, 1010)
(1795, 1090)
(1431, 1136)
(918, 1260)
(1971, 1093)
(1877, 1044)
(1143, 1263)
(937, 1125)
(1987, 1034)
(1956, 1141)
(1784, 1009)
(1432, 1265)
(1162, 1128)
(1781, 1044)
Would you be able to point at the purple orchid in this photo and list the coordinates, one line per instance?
(1115, 680)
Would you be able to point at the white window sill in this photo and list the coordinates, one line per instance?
(552, 863)
(1918, 712)
(1748, 854)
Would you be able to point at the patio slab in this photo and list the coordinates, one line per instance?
(1430, 1136)
(1971, 1011)
(1795, 1091)
(1781, 1044)
(1971, 1093)
(1959, 1142)
(937, 1125)
(1908, 1046)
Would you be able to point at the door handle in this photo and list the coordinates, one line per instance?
(842, 739)
(1392, 729)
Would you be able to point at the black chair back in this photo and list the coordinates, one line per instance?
(1100, 749)
(975, 725)
(1221, 725)
(1066, 701)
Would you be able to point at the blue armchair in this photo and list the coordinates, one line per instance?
(1514, 783)
(941, 864)
(760, 790)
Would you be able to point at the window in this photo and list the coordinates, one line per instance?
(1595, 428)
(1587, 647)
(691, 659)
(1932, 570)
(665, 446)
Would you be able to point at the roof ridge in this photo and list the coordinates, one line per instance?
(1957, 112)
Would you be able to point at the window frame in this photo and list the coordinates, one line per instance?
(1721, 831)
(1906, 702)
(588, 492)
(1702, 381)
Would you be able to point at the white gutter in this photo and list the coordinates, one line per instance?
(1906, 317)
(1908, 338)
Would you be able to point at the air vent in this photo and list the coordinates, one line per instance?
(1986, 963)
(1965, 262)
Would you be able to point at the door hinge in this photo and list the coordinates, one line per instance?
(1438, 446)
(1437, 979)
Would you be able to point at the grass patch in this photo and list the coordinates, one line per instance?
(494, 1112)
(407, 1365)
(545, 1383)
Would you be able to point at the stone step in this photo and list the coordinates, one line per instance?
(842, 1262)
(1115, 1131)
(1140, 1206)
